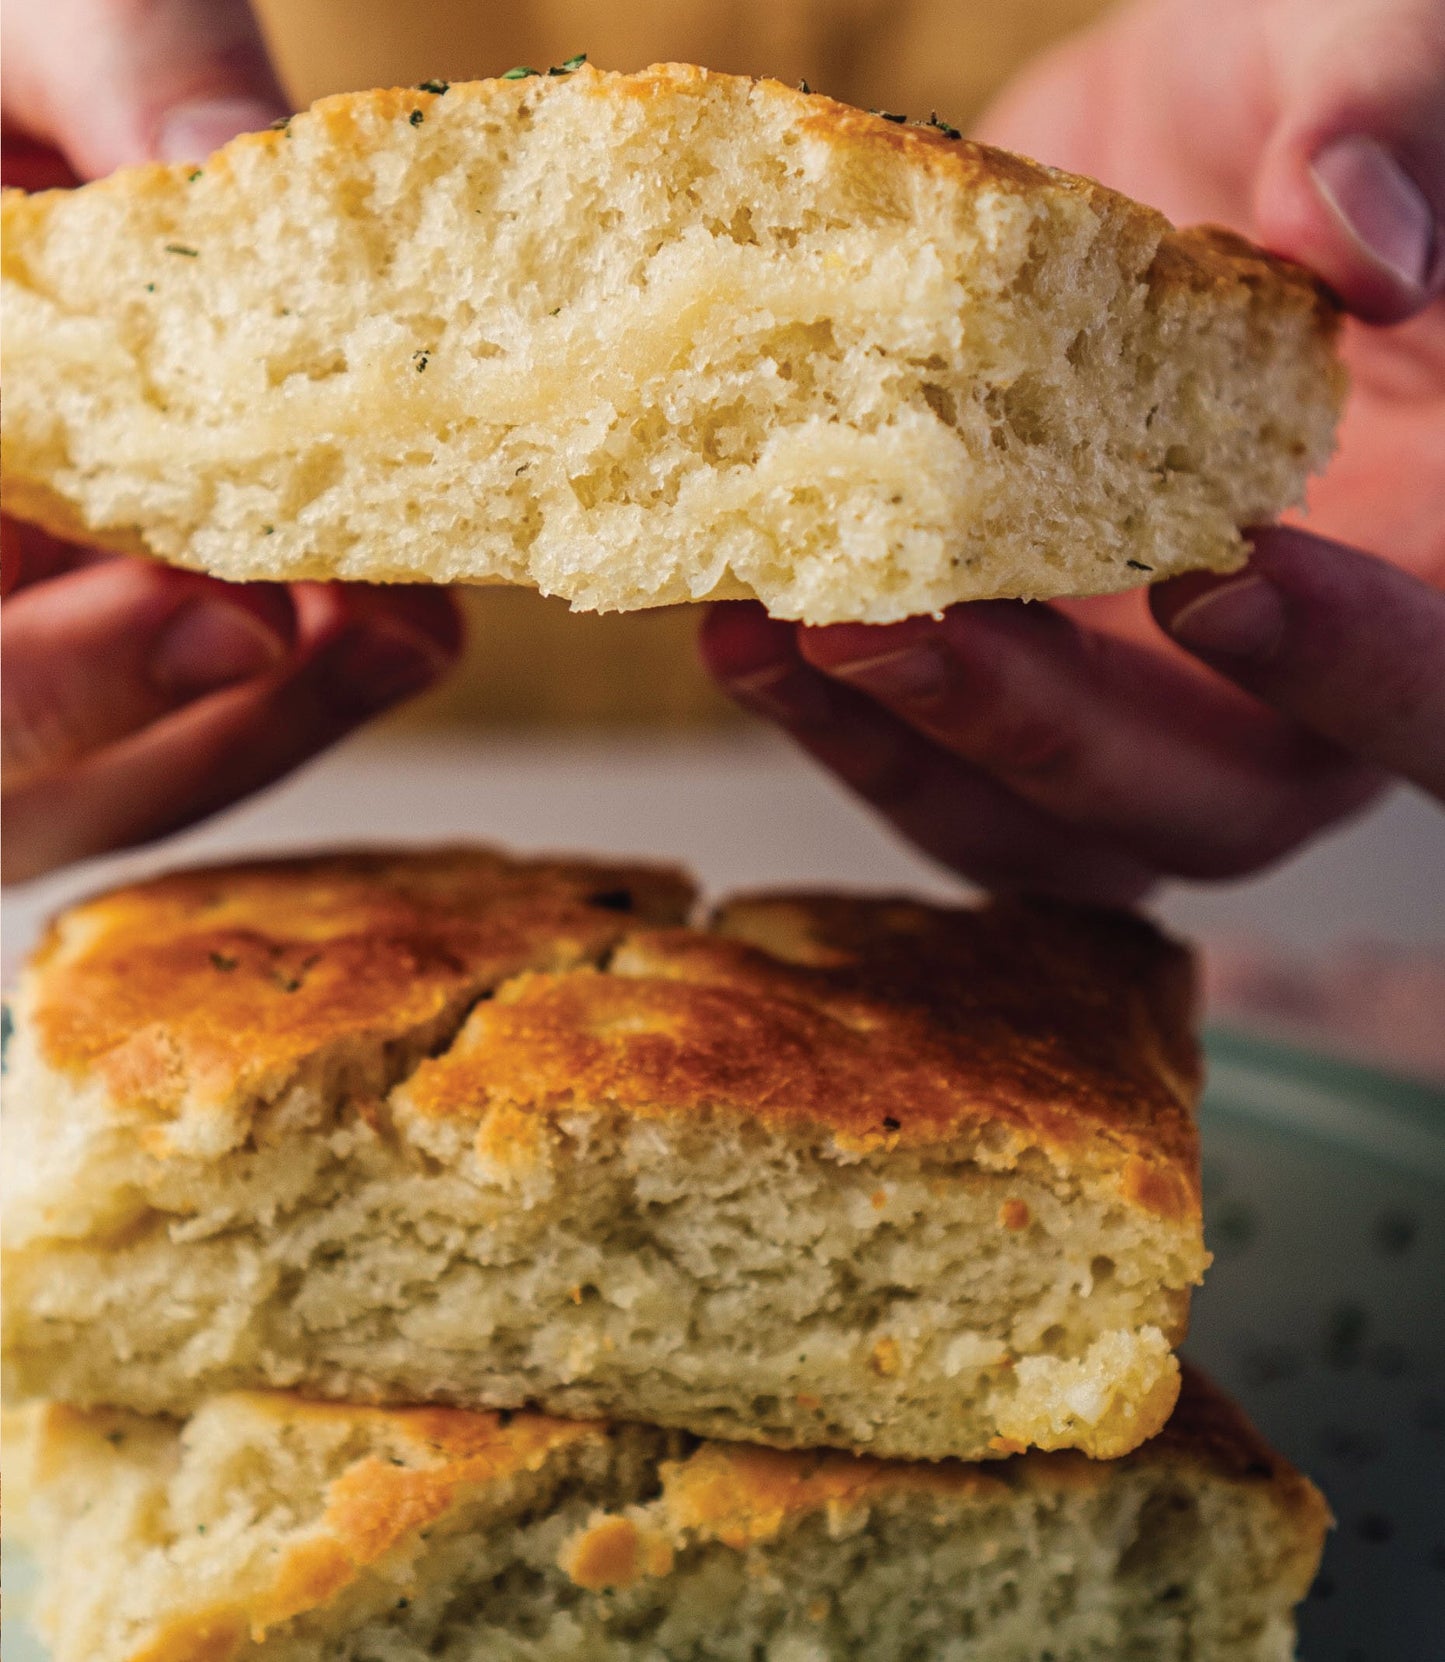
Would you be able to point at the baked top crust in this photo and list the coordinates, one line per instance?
(214, 985)
(1001, 1028)
(1010, 1026)
(402, 1470)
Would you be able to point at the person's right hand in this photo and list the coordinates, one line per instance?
(138, 698)
(1317, 127)
(1210, 725)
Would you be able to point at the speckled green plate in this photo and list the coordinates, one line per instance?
(1324, 1313)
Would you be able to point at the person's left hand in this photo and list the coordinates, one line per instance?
(138, 698)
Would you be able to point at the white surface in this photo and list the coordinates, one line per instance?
(742, 811)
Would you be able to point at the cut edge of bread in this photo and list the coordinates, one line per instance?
(748, 341)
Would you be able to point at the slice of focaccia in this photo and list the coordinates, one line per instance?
(283, 1530)
(831, 1171)
(636, 339)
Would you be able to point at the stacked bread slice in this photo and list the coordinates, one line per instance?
(436, 1254)
(271, 1526)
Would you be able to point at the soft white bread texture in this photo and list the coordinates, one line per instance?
(637, 339)
(830, 1172)
(273, 1528)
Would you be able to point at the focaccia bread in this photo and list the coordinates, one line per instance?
(636, 339)
(283, 1530)
(831, 1171)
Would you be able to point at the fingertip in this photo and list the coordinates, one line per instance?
(268, 607)
(838, 647)
(193, 131)
(1383, 209)
(12, 557)
(1282, 558)
(1345, 644)
(269, 603)
(367, 670)
(427, 612)
(29, 165)
(1366, 218)
(1241, 618)
(113, 85)
(737, 640)
(212, 642)
(1169, 598)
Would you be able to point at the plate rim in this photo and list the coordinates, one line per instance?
(1386, 1118)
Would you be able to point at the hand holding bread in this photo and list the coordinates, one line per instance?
(1101, 749)
(138, 698)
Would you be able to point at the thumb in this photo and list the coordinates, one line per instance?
(1352, 180)
(110, 82)
(1347, 645)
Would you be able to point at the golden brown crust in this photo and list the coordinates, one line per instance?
(211, 1636)
(1210, 258)
(739, 1494)
(413, 1467)
(1211, 1432)
(1012, 1026)
(1015, 1025)
(615, 1552)
(205, 983)
(434, 1459)
(431, 1454)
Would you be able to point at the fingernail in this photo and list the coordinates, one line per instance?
(786, 694)
(209, 644)
(190, 132)
(369, 669)
(1381, 206)
(905, 675)
(1243, 619)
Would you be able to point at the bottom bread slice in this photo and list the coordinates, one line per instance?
(267, 1526)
